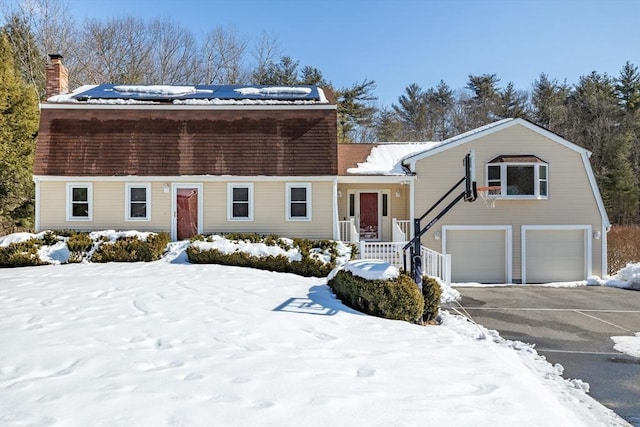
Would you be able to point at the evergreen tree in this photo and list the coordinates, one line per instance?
(621, 193)
(549, 100)
(355, 110)
(628, 93)
(512, 103)
(388, 128)
(481, 108)
(18, 128)
(412, 112)
(442, 103)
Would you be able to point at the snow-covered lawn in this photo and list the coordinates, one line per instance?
(175, 344)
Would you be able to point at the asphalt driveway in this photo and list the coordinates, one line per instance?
(573, 327)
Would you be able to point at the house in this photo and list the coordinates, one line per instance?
(548, 224)
(203, 159)
(187, 159)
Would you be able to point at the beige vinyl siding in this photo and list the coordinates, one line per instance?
(269, 210)
(398, 206)
(571, 200)
(108, 207)
(555, 255)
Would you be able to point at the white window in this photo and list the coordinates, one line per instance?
(138, 202)
(79, 201)
(240, 202)
(520, 177)
(299, 202)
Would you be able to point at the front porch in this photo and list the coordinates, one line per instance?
(433, 263)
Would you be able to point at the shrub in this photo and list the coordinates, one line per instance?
(306, 267)
(20, 254)
(623, 247)
(397, 299)
(132, 249)
(311, 264)
(431, 292)
(79, 244)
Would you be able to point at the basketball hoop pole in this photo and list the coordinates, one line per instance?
(470, 193)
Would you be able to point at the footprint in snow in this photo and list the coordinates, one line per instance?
(365, 372)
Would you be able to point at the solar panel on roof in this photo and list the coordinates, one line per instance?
(223, 92)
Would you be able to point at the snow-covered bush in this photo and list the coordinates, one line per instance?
(20, 254)
(299, 256)
(396, 298)
(133, 248)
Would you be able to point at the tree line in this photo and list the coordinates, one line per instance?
(600, 112)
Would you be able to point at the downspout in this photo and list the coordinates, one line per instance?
(37, 203)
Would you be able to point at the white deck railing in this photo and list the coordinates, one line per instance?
(436, 264)
(390, 252)
(433, 263)
(401, 230)
(348, 231)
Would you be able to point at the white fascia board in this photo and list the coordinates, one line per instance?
(81, 106)
(186, 178)
(531, 126)
(375, 179)
(594, 189)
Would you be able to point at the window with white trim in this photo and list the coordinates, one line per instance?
(138, 202)
(520, 177)
(298, 202)
(240, 202)
(79, 202)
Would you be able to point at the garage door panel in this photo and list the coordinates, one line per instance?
(477, 255)
(554, 255)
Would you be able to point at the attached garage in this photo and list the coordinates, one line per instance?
(556, 253)
(478, 253)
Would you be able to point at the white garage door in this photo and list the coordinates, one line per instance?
(554, 255)
(477, 255)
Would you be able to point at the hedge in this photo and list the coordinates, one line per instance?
(398, 299)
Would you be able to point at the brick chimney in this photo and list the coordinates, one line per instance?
(57, 76)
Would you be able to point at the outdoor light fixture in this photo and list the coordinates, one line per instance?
(398, 193)
(597, 235)
(437, 235)
(166, 188)
(339, 193)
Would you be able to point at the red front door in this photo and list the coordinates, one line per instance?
(187, 213)
(369, 227)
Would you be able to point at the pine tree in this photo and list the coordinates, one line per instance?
(412, 112)
(18, 128)
(549, 101)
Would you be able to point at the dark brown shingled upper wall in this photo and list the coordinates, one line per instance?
(112, 142)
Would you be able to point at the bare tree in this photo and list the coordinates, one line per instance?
(36, 28)
(173, 52)
(266, 51)
(223, 56)
(117, 50)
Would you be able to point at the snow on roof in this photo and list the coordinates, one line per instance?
(156, 89)
(193, 95)
(386, 159)
(273, 90)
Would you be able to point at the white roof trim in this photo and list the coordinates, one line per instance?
(375, 179)
(488, 130)
(185, 178)
(183, 107)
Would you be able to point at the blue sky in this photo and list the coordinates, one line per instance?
(399, 42)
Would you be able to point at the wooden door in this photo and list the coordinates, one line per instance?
(369, 219)
(187, 213)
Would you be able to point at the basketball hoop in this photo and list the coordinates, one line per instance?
(489, 195)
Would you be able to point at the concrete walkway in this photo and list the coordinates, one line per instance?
(572, 327)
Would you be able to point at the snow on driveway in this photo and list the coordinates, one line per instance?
(198, 345)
